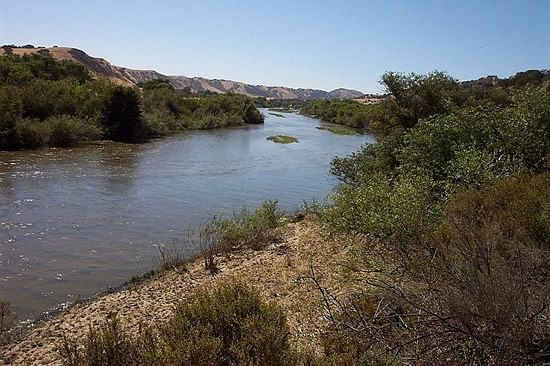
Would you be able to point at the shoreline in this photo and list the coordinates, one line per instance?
(279, 272)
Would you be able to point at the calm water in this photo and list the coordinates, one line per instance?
(76, 221)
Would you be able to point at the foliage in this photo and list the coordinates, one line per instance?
(156, 84)
(337, 130)
(35, 88)
(413, 97)
(11, 109)
(343, 112)
(15, 69)
(282, 139)
(168, 111)
(475, 288)
(230, 325)
(454, 209)
(122, 115)
(469, 148)
(245, 229)
(420, 96)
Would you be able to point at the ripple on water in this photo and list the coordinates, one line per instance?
(74, 221)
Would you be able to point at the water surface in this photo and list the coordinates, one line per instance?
(75, 221)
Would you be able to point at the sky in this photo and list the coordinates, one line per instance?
(308, 44)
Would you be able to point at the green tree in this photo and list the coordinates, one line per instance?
(11, 110)
(122, 115)
(157, 84)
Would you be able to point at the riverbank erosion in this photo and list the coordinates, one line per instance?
(283, 272)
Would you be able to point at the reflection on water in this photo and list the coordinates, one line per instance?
(75, 221)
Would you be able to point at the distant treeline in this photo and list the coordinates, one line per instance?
(167, 110)
(343, 112)
(24, 46)
(262, 102)
(49, 102)
(413, 97)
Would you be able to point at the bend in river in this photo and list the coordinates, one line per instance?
(76, 221)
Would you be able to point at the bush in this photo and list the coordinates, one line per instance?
(469, 148)
(68, 131)
(249, 230)
(62, 131)
(31, 133)
(476, 288)
(229, 326)
(384, 209)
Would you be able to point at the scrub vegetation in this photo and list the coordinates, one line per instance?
(230, 325)
(47, 102)
(452, 203)
(282, 139)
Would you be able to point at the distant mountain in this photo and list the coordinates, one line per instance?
(130, 77)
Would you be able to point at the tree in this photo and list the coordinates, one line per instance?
(121, 115)
(11, 110)
(421, 96)
(157, 84)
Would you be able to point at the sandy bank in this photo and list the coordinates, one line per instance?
(279, 272)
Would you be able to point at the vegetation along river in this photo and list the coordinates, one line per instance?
(75, 221)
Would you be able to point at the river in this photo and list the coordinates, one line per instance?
(74, 222)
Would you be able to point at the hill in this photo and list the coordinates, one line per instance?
(129, 77)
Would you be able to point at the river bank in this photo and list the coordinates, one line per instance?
(280, 272)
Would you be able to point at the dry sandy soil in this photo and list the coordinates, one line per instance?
(280, 272)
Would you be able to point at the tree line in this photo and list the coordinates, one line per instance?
(414, 97)
(49, 102)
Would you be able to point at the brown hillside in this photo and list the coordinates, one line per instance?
(128, 77)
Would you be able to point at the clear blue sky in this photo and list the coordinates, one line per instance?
(310, 44)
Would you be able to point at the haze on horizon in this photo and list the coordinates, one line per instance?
(308, 44)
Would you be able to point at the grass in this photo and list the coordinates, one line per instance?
(277, 115)
(282, 139)
(337, 130)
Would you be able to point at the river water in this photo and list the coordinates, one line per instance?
(74, 222)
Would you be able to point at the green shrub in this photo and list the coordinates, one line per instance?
(63, 131)
(31, 133)
(252, 115)
(378, 207)
(238, 326)
(469, 148)
(11, 110)
(158, 124)
(244, 229)
(68, 131)
(229, 326)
